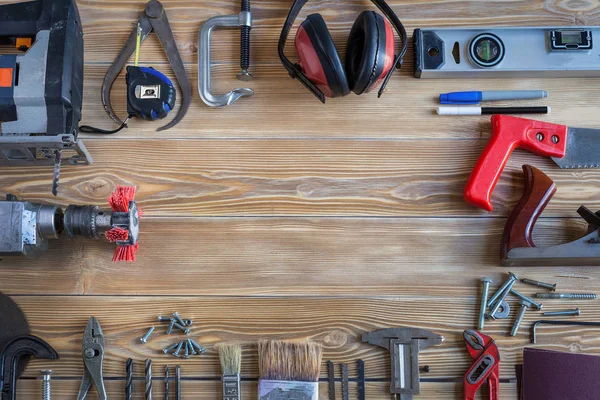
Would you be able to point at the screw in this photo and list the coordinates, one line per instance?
(192, 350)
(539, 284)
(483, 307)
(182, 327)
(46, 391)
(560, 313)
(170, 328)
(524, 306)
(512, 277)
(424, 368)
(187, 350)
(178, 318)
(244, 75)
(575, 296)
(555, 139)
(539, 136)
(178, 350)
(164, 319)
(507, 287)
(170, 348)
(144, 339)
(199, 348)
(527, 299)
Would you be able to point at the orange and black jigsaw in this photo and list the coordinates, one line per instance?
(41, 84)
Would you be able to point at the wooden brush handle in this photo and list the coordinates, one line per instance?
(537, 193)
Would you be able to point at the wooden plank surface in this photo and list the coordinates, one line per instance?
(279, 217)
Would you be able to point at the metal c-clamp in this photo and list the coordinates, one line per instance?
(404, 345)
(244, 18)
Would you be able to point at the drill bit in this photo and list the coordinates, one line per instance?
(177, 382)
(148, 379)
(56, 178)
(167, 382)
(129, 379)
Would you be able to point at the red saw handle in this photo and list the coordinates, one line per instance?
(509, 133)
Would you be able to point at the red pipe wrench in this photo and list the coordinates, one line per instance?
(568, 148)
(484, 351)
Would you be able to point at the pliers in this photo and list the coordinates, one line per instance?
(93, 355)
(154, 18)
(484, 351)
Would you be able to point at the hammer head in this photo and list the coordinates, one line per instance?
(383, 337)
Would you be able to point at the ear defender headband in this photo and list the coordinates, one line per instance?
(369, 60)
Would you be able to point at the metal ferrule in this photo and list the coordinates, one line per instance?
(231, 387)
(50, 221)
(246, 18)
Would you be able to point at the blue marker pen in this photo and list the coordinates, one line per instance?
(477, 97)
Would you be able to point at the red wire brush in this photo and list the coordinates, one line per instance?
(125, 223)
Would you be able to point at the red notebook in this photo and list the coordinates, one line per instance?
(553, 375)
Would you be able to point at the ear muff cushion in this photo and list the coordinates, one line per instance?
(366, 56)
(315, 29)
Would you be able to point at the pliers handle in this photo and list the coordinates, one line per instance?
(485, 352)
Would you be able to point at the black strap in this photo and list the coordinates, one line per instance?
(91, 129)
(295, 70)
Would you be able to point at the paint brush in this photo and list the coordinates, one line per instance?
(231, 364)
(289, 370)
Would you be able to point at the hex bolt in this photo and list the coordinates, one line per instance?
(244, 75)
(511, 279)
(198, 348)
(183, 328)
(170, 328)
(46, 389)
(507, 287)
(192, 350)
(484, 295)
(520, 295)
(178, 318)
(164, 319)
(144, 339)
(524, 306)
(574, 296)
(172, 347)
(539, 284)
(178, 349)
(575, 312)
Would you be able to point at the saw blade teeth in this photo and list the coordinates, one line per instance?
(56, 177)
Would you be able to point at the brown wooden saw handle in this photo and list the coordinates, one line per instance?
(537, 193)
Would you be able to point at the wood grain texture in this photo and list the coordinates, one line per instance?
(279, 217)
(297, 177)
(281, 256)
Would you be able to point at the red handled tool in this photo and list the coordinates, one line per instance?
(568, 147)
(484, 351)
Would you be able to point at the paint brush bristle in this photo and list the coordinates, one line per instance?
(231, 358)
(289, 361)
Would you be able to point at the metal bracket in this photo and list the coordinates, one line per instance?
(19, 150)
(235, 21)
(404, 345)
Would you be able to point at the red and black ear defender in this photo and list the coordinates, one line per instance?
(370, 58)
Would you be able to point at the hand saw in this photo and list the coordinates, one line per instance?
(568, 148)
